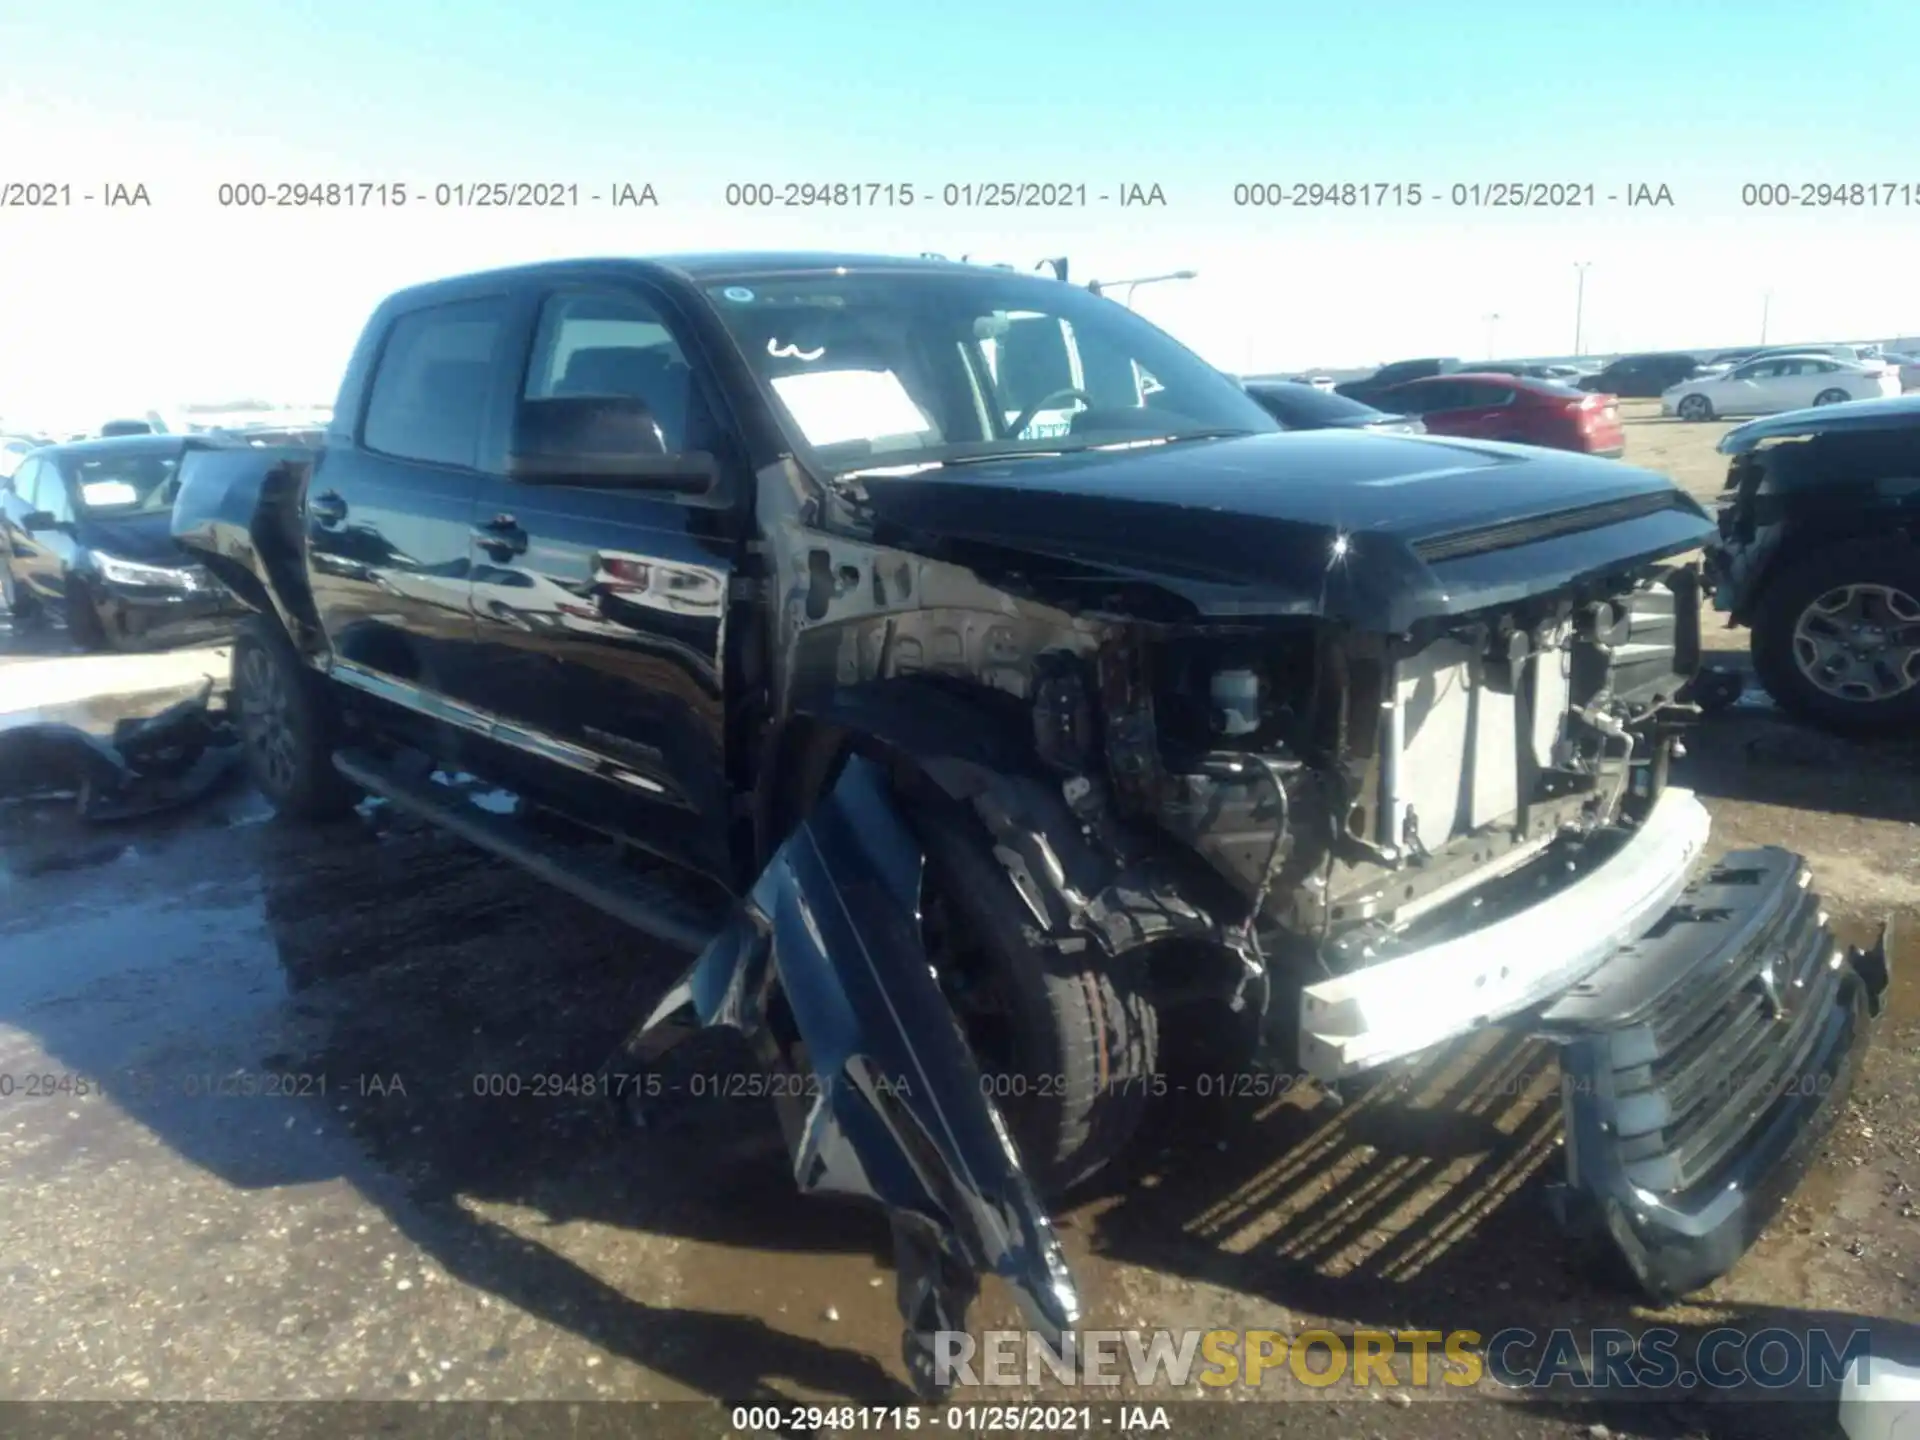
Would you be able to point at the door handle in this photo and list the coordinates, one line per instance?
(328, 508)
(501, 536)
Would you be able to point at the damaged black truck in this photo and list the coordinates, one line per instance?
(1042, 711)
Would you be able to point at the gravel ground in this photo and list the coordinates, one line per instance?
(380, 1229)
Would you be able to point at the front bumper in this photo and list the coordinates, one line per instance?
(1427, 994)
(1703, 1066)
(157, 615)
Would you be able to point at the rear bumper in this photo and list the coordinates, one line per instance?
(1703, 1066)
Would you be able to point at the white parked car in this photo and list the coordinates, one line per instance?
(1779, 382)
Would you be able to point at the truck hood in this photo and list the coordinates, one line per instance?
(1894, 412)
(1379, 531)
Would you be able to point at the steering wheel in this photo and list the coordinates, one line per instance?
(1025, 417)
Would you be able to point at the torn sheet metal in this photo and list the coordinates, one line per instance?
(155, 763)
(831, 934)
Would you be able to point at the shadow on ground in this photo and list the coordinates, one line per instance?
(448, 1009)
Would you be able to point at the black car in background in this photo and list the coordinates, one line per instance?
(1397, 373)
(1641, 377)
(86, 541)
(1307, 407)
(1819, 556)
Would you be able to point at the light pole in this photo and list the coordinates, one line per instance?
(1579, 301)
(1766, 303)
(1100, 287)
(1492, 320)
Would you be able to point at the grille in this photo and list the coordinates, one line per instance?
(1729, 1041)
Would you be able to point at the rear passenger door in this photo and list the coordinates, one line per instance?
(1481, 409)
(600, 610)
(389, 521)
(1436, 402)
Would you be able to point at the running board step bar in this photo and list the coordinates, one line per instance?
(649, 903)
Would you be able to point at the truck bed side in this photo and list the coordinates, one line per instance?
(240, 512)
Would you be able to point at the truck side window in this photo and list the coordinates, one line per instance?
(429, 394)
(614, 343)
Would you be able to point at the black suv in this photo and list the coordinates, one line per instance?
(1641, 377)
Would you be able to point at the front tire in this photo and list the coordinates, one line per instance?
(1695, 407)
(288, 726)
(1831, 397)
(1067, 1043)
(1836, 639)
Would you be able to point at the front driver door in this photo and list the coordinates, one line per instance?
(600, 611)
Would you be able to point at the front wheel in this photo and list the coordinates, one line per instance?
(1836, 639)
(1067, 1041)
(1696, 407)
(287, 726)
(1831, 397)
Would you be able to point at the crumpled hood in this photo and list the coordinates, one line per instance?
(1377, 530)
(147, 538)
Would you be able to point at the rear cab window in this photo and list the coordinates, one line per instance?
(429, 398)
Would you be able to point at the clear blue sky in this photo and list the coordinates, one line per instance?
(1701, 95)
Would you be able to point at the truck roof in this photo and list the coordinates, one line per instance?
(701, 266)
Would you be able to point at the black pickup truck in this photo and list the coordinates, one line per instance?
(1037, 710)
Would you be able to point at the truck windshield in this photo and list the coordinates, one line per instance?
(910, 368)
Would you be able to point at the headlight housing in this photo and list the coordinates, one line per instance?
(134, 572)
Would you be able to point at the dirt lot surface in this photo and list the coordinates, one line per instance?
(286, 1178)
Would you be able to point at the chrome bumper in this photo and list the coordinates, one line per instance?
(1422, 997)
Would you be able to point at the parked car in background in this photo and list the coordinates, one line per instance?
(14, 449)
(114, 429)
(1304, 407)
(1769, 384)
(1473, 405)
(1368, 391)
(1565, 374)
(1317, 382)
(263, 436)
(1641, 377)
(86, 542)
(1907, 365)
(1731, 357)
(1819, 555)
(1832, 352)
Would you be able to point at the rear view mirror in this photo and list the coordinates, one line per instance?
(602, 440)
(39, 520)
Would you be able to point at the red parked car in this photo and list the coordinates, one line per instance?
(1524, 411)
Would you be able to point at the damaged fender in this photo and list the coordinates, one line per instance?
(899, 1114)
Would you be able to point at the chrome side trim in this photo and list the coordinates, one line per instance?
(492, 727)
(1401, 1006)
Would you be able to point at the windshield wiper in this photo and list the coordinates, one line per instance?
(1131, 442)
(915, 467)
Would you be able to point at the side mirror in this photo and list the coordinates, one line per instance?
(606, 441)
